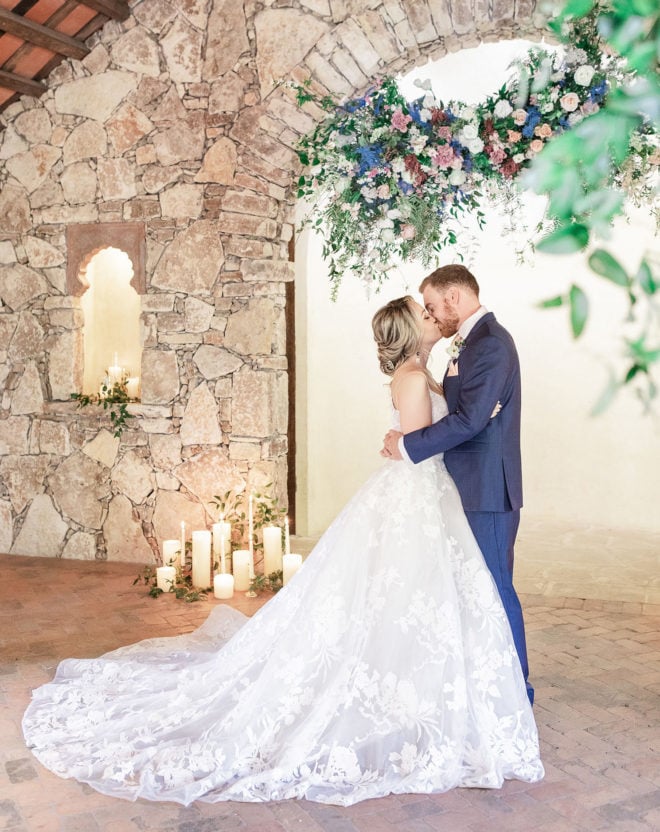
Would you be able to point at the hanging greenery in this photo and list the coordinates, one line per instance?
(390, 179)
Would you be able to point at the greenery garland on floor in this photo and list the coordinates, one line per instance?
(390, 179)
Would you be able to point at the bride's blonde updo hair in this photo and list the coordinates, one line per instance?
(397, 333)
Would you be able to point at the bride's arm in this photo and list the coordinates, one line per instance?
(412, 399)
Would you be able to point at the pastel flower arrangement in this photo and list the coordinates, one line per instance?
(389, 179)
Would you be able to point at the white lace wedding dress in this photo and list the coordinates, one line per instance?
(385, 666)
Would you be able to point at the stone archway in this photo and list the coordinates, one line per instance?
(174, 122)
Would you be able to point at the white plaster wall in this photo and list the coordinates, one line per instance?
(578, 469)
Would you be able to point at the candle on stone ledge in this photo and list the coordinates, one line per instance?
(115, 372)
(241, 568)
(133, 387)
(201, 558)
(165, 577)
(223, 586)
(272, 549)
(290, 565)
(170, 552)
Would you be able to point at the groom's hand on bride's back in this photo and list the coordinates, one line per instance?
(390, 448)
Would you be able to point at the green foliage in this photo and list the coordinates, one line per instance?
(182, 587)
(113, 398)
(587, 172)
(271, 583)
(232, 506)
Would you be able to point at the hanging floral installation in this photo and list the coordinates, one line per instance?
(390, 179)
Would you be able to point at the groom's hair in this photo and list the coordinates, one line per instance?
(452, 275)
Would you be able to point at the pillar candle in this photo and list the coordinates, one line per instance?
(165, 577)
(287, 540)
(221, 541)
(223, 586)
(170, 552)
(183, 546)
(290, 565)
(115, 372)
(133, 387)
(241, 567)
(272, 549)
(201, 558)
(250, 537)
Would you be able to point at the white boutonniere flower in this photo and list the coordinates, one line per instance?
(456, 346)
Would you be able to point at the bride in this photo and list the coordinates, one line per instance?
(385, 666)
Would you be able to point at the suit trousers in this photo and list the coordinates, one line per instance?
(495, 532)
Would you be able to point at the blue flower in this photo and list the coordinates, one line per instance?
(405, 187)
(370, 157)
(414, 110)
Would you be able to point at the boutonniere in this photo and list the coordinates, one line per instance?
(456, 346)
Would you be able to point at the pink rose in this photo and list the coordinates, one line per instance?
(543, 131)
(589, 108)
(457, 162)
(536, 146)
(514, 136)
(444, 156)
(519, 117)
(497, 155)
(408, 231)
(383, 191)
(400, 121)
(443, 133)
(569, 102)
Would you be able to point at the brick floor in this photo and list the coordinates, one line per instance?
(596, 667)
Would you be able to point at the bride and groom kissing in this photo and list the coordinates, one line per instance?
(393, 662)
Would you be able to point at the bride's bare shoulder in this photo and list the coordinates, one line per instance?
(409, 382)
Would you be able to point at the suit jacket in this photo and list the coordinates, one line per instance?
(481, 454)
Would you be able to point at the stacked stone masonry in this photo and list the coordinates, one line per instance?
(176, 119)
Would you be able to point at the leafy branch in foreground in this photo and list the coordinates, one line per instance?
(586, 173)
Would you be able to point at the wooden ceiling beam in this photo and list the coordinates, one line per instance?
(42, 36)
(26, 86)
(116, 9)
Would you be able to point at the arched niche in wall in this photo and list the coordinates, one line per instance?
(105, 269)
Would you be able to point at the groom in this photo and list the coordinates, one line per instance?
(481, 453)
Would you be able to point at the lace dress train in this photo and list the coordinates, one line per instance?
(385, 666)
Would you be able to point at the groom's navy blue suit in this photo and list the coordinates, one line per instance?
(483, 454)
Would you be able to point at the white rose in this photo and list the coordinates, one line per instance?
(398, 165)
(469, 131)
(475, 145)
(548, 108)
(467, 113)
(503, 108)
(419, 143)
(518, 158)
(457, 177)
(428, 101)
(394, 214)
(583, 75)
(387, 235)
(385, 222)
(425, 115)
(575, 118)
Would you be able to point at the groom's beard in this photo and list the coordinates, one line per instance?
(449, 322)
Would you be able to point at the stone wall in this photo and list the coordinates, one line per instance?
(175, 120)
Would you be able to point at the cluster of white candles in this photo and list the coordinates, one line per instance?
(117, 374)
(218, 542)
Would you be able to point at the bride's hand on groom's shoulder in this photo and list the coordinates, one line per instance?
(390, 449)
